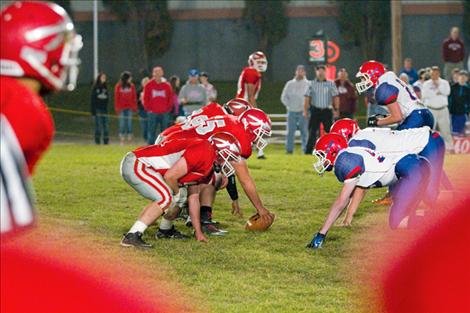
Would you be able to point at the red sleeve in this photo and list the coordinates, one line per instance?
(251, 76)
(117, 100)
(146, 98)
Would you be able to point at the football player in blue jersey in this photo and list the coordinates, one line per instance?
(362, 168)
(400, 100)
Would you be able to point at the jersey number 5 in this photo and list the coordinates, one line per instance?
(209, 126)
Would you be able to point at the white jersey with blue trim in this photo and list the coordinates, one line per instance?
(368, 167)
(392, 142)
(391, 89)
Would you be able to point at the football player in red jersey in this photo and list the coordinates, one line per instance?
(251, 127)
(249, 82)
(158, 171)
(38, 54)
(234, 107)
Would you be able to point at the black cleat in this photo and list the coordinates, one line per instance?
(134, 240)
(261, 157)
(171, 233)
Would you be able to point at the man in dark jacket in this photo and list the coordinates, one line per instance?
(459, 104)
(453, 53)
(347, 95)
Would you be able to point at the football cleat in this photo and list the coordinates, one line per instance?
(210, 229)
(317, 241)
(171, 233)
(134, 240)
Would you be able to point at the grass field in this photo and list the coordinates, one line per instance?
(79, 188)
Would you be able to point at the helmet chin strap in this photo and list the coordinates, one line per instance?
(365, 82)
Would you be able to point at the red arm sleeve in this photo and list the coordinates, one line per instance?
(146, 96)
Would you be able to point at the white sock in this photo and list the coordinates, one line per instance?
(260, 152)
(166, 224)
(138, 227)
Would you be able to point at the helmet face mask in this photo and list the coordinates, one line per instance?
(260, 142)
(322, 164)
(225, 156)
(365, 83)
(228, 150)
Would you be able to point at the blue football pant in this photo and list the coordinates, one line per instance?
(413, 174)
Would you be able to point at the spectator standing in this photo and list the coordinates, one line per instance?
(193, 94)
(459, 104)
(453, 52)
(175, 83)
(322, 102)
(455, 76)
(158, 102)
(409, 71)
(99, 108)
(435, 92)
(347, 95)
(211, 92)
(125, 102)
(143, 116)
(418, 85)
(293, 99)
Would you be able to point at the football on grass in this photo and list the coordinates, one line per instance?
(255, 222)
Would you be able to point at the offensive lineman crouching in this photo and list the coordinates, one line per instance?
(158, 171)
(359, 167)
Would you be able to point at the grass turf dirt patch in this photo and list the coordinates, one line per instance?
(80, 185)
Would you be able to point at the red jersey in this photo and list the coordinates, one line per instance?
(125, 98)
(199, 155)
(249, 75)
(210, 110)
(158, 97)
(29, 118)
(213, 125)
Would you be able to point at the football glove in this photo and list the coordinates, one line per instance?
(317, 241)
(372, 120)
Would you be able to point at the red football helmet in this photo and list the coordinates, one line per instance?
(259, 124)
(326, 150)
(369, 73)
(38, 41)
(346, 127)
(258, 61)
(237, 106)
(228, 150)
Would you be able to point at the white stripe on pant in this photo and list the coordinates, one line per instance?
(147, 182)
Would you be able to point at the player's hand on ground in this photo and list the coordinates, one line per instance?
(236, 209)
(200, 237)
(345, 223)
